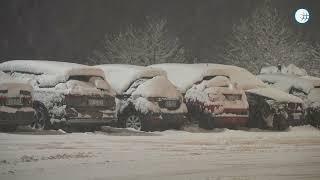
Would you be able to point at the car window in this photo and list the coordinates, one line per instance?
(135, 85)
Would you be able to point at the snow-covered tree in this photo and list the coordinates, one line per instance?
(265, 39)
(141, 46)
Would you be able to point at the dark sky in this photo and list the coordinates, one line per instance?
(71, 29)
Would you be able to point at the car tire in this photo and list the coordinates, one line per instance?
(41, 117)
(206, 122)
(133, 120)
(280, 123)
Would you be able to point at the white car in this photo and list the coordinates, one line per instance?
(15, 103)
(147, 99)
(66, 94)
(267, 106)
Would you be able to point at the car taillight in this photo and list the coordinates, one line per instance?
(3, 100)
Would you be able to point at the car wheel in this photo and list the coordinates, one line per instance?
(134, 121)
(41, 117)
(206, 122)
(280, 123)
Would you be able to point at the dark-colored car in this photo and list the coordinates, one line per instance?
(15, 103)
(147, 99)
(305, 87)
(66, 94)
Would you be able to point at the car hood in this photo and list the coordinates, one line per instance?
(275, 94)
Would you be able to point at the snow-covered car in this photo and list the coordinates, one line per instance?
(305, 87)
(15, 103)
(66, 94)
(147, 99)
(211, 97)
(266, 109)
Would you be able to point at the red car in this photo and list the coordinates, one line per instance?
(211, 97)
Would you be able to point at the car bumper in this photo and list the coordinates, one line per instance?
(229, 121)
(106, 118)
(23, 116)
(165, 121)
(90, 121)
(296, 119)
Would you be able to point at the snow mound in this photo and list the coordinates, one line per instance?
(314, 80)
(276, 94)
(285, 82)
(50, 73)
(13, 86)
(290, 69)
(121, 76)
(158, 86)
(185, 75)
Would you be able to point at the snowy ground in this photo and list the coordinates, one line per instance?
(221, 154)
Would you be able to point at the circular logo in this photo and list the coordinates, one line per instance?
(302, 16)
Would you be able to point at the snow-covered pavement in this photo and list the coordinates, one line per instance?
(225, 154)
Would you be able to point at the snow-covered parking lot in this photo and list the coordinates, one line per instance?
(220, 154)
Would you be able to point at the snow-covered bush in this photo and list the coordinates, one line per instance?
(264, 39)
(141, 46)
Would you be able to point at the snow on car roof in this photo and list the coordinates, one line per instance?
(50, 67)
(285, 82)
(121, 76)
(185, 75)
(158, 86)
(50, 72)
(314, 80)
(276, 94)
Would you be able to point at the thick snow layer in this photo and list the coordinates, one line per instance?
(276, 94)
(314, 80)
(14, 110)
(13, 86)
(121, 76)
(285, 82)
(69, 87)
(50, 73)
(185, 75)
(172, 155)
(213, 91)
(158, 86)
(314, 95)
(4, 77)
(144, 106)
(290, 69)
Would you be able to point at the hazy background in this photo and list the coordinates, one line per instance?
(70, 30)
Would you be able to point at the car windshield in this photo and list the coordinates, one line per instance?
(135, 85)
